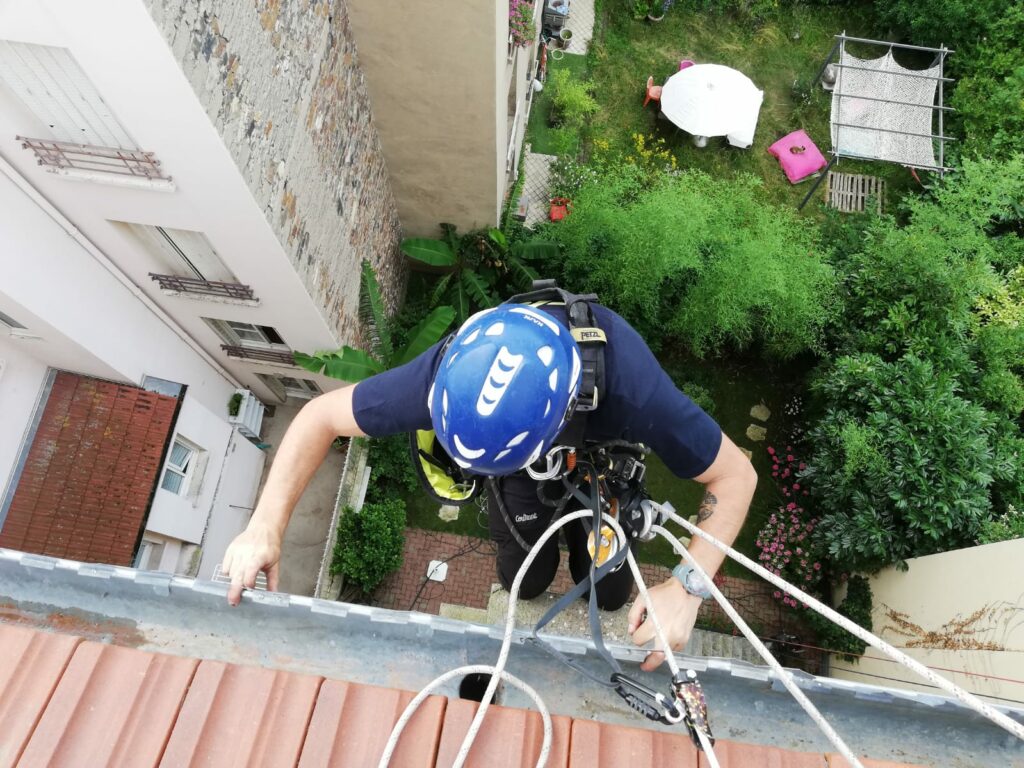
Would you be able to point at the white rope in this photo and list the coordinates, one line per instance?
(498, 670)
(413, 705)
(783, 675)
(967, 699)
(499, 667)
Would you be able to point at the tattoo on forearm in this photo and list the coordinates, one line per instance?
(707, 507)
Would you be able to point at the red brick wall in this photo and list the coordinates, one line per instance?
(91, 469)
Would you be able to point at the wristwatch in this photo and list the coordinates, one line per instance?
(691, 581)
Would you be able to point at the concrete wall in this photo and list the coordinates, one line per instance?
(436, 74)
(281, 83)
(21, 382)
(234, 499)
(184, 517)
(961, 610)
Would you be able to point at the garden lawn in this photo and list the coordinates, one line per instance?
(542, 137)
(791, 46)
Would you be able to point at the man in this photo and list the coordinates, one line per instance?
(498, 396)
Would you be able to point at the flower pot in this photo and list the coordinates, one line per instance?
(651, 17)
(556, 55)
(565, 35)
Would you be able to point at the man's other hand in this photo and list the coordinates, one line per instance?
(677, 611)
(257, 548)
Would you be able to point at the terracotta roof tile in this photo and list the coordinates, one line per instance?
(598, 745)
(113, 707)
(509, 738)
(30, 667)
(237, 715)
(733, 754)
(351, 725)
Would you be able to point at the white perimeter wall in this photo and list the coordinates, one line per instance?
(233, 502)
(20, 384)
(961, 610)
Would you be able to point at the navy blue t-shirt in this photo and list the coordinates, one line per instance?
(640, 404)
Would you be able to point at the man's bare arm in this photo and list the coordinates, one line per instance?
(301, 452)
(728, 489)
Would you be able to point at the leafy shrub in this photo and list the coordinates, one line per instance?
(370, 543)
(571, 98)
(699, 260)
(520, 22)
(787, 544)
(1009, 525)
(957, 23)
(901, 462)
(856, 606)
(234, 404)
(988, 98)
(391, 470)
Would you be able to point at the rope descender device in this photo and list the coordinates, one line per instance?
(686, 703)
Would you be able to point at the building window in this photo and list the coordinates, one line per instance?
(49, 82)
(290, 386)
(247, 334)
(180, 467)
(150, 555)
(10, 322)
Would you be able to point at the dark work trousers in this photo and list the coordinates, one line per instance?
(531, 518)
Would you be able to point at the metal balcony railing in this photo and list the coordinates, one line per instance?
(86, 157)
(205, 287)
(284, 357)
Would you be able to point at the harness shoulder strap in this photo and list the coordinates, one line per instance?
(591, 340)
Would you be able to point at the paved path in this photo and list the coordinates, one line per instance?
(471, 573)
(536, 186)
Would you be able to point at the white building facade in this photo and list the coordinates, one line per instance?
(145, 238)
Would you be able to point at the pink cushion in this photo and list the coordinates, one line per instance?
(798, 165)
(684, 64)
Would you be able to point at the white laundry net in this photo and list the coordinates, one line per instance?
(861, 127)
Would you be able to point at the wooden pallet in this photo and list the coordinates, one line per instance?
(849, 192)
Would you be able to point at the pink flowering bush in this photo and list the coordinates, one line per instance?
(786, 544)
(520, 22)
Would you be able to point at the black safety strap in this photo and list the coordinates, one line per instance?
(591, 341)
(593, 502)
(495, 487)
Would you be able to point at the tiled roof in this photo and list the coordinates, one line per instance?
(90, 471)
(69, 702)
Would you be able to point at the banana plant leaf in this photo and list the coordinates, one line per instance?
(427, 332)
(477, 289)
(461, 302)
(375, 315)
(436, 253)
(347, 364)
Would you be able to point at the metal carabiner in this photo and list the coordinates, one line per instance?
(554, 461)
(648, 702)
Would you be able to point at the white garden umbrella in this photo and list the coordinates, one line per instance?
(712, 100)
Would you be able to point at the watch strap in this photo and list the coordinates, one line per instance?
(691, 581)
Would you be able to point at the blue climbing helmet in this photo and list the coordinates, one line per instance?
(505, 387)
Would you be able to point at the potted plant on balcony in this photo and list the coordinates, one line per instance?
(520, 22)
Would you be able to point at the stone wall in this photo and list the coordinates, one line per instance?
(281, 83)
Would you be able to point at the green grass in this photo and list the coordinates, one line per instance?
(774, 54)
(421, 512)
(734, 388)
(542, 136)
